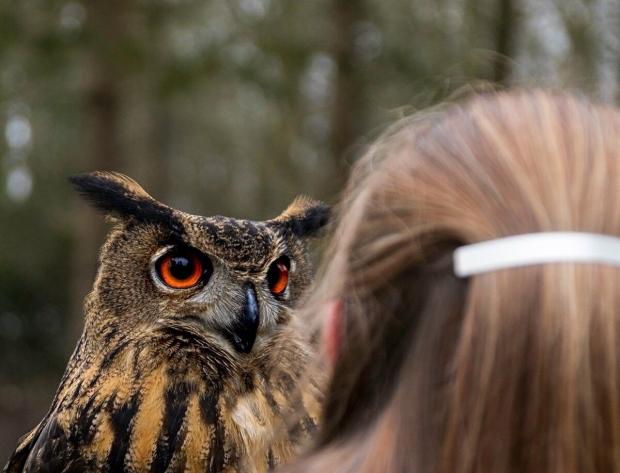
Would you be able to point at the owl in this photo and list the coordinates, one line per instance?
(189, 359)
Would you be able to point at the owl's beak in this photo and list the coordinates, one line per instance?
(242, 333)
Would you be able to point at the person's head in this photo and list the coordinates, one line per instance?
(511, 370)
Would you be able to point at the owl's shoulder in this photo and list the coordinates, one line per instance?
(47, 448)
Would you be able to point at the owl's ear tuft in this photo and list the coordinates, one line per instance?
(304, 217)
(120, 196)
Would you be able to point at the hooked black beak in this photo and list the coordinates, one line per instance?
(242, 333)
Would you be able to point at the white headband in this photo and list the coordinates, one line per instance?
(536, 248)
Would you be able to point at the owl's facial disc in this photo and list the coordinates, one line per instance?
(180, 269)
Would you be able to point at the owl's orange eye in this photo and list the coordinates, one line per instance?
(182, 269)
(277, 276)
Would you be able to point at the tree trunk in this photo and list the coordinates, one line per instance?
(102, 151)
(156, 164)
(347, 92)
(505, 36)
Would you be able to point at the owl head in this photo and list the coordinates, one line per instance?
(236, 278)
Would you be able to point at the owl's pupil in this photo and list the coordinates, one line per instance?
(181, 267)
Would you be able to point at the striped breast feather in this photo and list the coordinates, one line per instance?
(166, 424)
(171, 425)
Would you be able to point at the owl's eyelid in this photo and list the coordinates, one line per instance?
(183, 246)
(161, 252)
(284, 254)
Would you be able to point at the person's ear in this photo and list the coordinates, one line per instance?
(332, 330)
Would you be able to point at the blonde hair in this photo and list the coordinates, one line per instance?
(514, 370)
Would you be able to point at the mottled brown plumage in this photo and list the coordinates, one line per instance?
(197, 379)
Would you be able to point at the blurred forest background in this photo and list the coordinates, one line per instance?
(226, 107)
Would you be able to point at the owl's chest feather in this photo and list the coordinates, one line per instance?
(177, 418)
